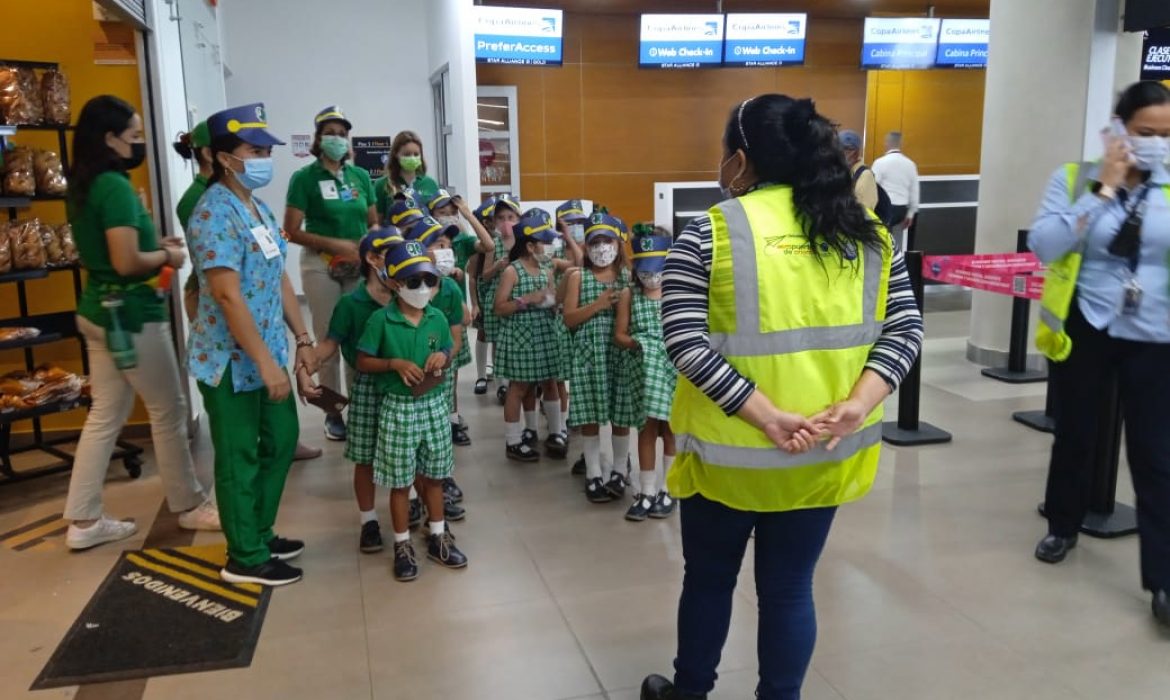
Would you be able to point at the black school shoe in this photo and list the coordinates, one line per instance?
(557, 446)
(640, 509)
(658, 688)
(451, 491)
(416, 513)
(502, 394)
(273, 572)
(616, 484)
(521, 453)
(530, 438)
(284, 549)
(453, 511)
(442, 550)
(371, 539)
(578, 468)
(596, 492)
(663, 506)
(480, 387)
(459, 435)
(405, 563)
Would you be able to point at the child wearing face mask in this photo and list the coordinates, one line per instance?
(505, 213)
(598, 394)
(346, 326)
(483, 214)
(529, 353)
(567, 256)
(638, 329)
(404, 347)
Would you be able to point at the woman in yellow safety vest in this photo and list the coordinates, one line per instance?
(790, 318)
(1104, 229)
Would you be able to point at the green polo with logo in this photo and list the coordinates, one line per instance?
(345, 215)
(389, 335)
(424, 186)
(349, 319)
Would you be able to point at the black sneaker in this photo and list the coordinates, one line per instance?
(453, 511)
(273, 572)
(640, 509)
(335, 427)
(405, 563)
(659, 688)
(480, 387)
(451, 491)
(530, 438)
(371, 539)
(557, 446)
(502, 394)
(521, 453)
(284, 549)
(663, 506)
(442, 549)
(459, 435)
(596, 492)
(416, 513)
(616, 484)
(578, 466)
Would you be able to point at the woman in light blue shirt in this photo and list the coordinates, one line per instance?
(1119, 324)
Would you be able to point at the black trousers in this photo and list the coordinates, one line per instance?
(1142, 373)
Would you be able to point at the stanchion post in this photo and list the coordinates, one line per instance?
(1044, 421)
(909, 431)
(1017, 371)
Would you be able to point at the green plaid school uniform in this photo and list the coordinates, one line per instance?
(414, 438)
(589, 374)
(528, 350)
(652, 367)
(365, 401)
(487, 298)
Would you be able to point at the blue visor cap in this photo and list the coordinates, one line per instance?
(536, 225)
(408, 259)
(507, 200)
(572, 211)
(249, 123)
(441, 199)
(406, 212)
(484, 211)
(379, 240)
(332, 113)
(650, 253)
(604, 226)
(427, 230)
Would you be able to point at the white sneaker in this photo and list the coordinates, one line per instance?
(106, 529)
(205, 517)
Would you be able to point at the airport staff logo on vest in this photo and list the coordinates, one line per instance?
(787, 244)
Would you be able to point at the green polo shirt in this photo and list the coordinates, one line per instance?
(334, 206)
(449, 301)
(424, 187)
(349, 320)
(190, 199)
(113, 203)
(390, 336)
(464, 247)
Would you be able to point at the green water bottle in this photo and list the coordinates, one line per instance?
(118, 341)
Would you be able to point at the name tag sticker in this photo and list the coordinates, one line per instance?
(329, 189)
(267, 243)
(347, 194)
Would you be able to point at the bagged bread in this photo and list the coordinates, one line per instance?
(49, 173)
(54, 256)
(5, 249)
(68, 245)
(20, 96)
(19, 179)
(55, 97)
(28, 250)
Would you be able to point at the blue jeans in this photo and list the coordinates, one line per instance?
(788, 546)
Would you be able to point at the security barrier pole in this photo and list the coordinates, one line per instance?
(1017, 371)
(908, 431)
(1044, 421)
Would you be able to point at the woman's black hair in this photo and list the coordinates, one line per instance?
(789, 143)
(186, 150)
(221, 144)
(91, 156)
(1142, 94)
(315, 149)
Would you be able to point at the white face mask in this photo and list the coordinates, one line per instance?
(1150, 152)
(444, 260)
(603, 254)
(577, 231)
(558, 245)
(447, 221)
(543, 253)
(650, 280)
(418, 298)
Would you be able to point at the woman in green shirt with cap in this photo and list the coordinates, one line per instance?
(406, 173)
(330, 208)
(193, 145)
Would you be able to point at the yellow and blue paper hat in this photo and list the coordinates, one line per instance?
(408, 259)
(406, 212)
(427, 230)
(603, 225)
(536, 225)
(441, 199)
(332, 113)
(485, 210)
(572, 211)
(379, 240)
(507, 200)
(650, 252)
(249, 123)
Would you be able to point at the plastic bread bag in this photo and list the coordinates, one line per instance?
(9, 87)
(19, 179)
(68, 245)
(5, 249)
(20, 96)
(28, 250)
(49, 173)
(54, 255)
(55, 97)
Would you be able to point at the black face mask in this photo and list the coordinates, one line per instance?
(137, 156)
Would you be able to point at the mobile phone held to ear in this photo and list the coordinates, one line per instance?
(1116, 130)
(329, 401)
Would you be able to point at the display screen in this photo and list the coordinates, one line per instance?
(962, 43)
(681, 41)
(755, 39)
(1156, 55)
(899, 42)
(519, 35)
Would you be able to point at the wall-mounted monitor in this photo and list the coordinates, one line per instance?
(519, 35)
(1156, 55)
(899, 43)
(1146, 14)
(681, 41)
(757, 39)
(962, 43)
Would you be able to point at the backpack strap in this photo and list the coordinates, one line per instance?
(858, 172)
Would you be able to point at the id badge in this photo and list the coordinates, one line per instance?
(329, 189)
(267, 243)
(347, 194)
(1133, 298)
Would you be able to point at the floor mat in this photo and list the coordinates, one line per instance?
(159, 612)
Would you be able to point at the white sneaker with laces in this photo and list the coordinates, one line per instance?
(106, 529)
(204, 517)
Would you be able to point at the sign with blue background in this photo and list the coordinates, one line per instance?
(962, 43)
(518, 35)
(755, 39)
(899, 42)
(681, 41)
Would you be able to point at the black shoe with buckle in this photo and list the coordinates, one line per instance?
(663, 506)
(616, 484)
(578, 466)
(480, 387)
(284, 549)
(522, 453)
(405, 563)
(371, 539)
(416, 513)
(451, 491)
(640, 508)
(273, 572)
(502, 394)
(659, 688)
(1054, 548)
(596, 492)
(442, 550)
(530, 438)
(459, 435)
(556, 446)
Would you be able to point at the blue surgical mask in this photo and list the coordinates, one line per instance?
(257, 172)
(1150, 153)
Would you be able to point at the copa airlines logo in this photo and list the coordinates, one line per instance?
(766, 26)
(902, 30)
(682, 27)
(518, 21)
(965, 31)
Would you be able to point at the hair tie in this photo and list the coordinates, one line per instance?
(739, 122)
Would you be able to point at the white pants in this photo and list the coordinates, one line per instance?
(156, 380)
(323, 292)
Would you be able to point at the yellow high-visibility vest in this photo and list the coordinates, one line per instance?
(801, 327)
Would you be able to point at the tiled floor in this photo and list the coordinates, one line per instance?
(927, 591)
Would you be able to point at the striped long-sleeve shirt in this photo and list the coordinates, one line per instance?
(684, 323)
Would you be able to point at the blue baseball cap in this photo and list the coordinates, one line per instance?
(405, 212)
(507, 200)
(249, 123)
(427, 230)
(606, 226)
(650, 253)
(408, 259)
(536, 225)
(572, 211)
(441, 199)
(850, 140)
(485, 210)
(332, 113)
(379, 240)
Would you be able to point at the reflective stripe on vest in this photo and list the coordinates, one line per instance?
(772, 458)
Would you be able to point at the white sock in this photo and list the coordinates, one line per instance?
(438, 527)
(481, 354)
(649, 481)
(413, 494)
(667, 460)
(621, 452)
(564, 426)
(513, 433)
(454, 418)
(369, 516)
(593, 457)
(552, 411)
(530, 422)
(402, 536)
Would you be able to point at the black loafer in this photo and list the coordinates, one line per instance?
(459, 436)
(480, 387)
(1053, 548)
(1161, 606)
(659, 688)
(556, 446)
(521, 453)
(502, 394)
(578, 467)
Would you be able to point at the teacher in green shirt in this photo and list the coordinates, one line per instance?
(330, 207)
(406, 174)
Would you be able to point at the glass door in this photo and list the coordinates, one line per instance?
(499, 142)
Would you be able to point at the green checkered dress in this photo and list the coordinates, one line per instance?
(598, 394)
(652, 368)
(414, 438)
(528, 349)
(487, 297)
(365, 401)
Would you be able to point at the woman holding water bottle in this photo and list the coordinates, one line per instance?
(122, 313)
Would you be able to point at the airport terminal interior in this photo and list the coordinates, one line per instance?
(929, 587)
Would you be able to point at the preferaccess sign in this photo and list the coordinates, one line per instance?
(899, 42)
(518, 35)
(681, 41)
(963, 43)
(764, 39)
